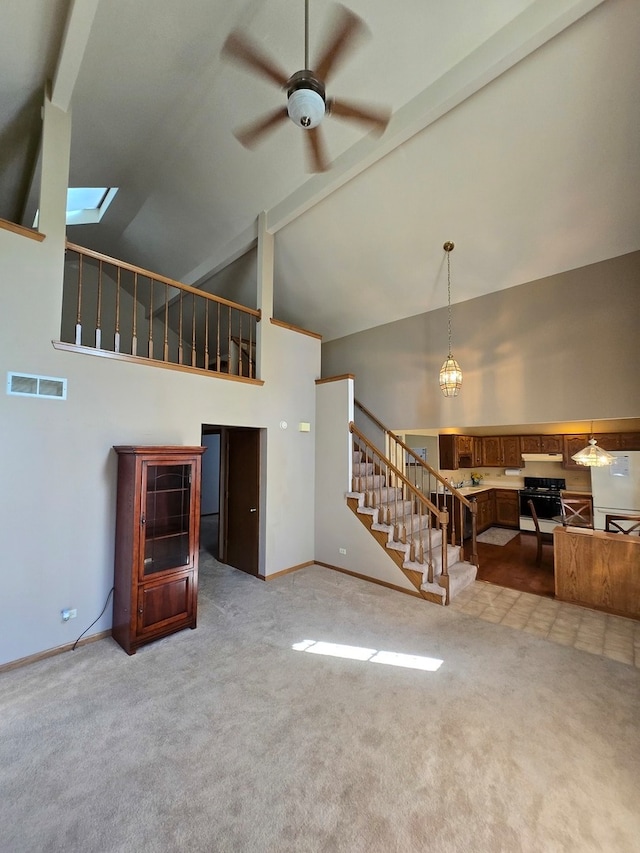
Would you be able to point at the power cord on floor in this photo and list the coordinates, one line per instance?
(94, 621)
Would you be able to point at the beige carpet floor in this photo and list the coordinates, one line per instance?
(227, 738)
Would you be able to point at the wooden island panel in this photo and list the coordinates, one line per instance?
(598, 569)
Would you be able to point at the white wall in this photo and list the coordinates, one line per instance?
(57, 514)
(565, 348)
(336, 526)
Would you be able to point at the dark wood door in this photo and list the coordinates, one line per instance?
(242, 496)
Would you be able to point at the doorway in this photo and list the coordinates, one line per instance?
(233, 535)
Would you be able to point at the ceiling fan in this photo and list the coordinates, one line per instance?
(307, 103)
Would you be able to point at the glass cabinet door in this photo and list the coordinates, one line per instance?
(166, 517)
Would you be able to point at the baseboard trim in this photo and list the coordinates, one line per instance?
(49, 653)
(286, 571)
(386, 584)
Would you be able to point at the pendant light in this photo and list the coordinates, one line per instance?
(450, 372)
(592, 455)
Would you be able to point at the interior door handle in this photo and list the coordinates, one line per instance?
(253, 509)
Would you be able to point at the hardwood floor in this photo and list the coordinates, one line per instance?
(514, 565)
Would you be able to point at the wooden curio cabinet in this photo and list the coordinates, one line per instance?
(157, 541)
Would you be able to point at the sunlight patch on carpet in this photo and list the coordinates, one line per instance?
(317, 647)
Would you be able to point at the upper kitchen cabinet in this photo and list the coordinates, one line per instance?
(501, 450)
(618, 440)
(606, 440)
(541, 444)
(629, 441)
(572, 444)
(456, 451)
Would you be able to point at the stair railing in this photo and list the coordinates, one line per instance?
(412, 516)
(117, 309)
(429, 482)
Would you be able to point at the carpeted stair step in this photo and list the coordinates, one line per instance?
(413, 525)
(396, 511)
(362, 469)
(453, 556)
(363, 484)
(460, 576)
(383, 495)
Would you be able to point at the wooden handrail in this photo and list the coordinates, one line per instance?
(471, 505)
(462, 498)
(406, 522)
(439, 511)
(98, 256)
(31, 233)
(158, 315)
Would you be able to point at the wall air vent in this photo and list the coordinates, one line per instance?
(24, 385)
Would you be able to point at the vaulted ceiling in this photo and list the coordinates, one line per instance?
(514, 133)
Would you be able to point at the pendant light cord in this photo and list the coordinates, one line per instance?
(448, 247)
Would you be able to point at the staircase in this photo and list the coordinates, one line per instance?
(420, 537)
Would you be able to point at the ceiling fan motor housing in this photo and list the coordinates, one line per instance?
(306, 103)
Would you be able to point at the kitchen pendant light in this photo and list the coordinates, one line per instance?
(450, 372)
(592, 455)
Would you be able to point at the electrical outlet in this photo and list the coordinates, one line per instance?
(68, 614)
(343, 550)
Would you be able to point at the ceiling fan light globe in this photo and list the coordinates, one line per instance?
(306, 108)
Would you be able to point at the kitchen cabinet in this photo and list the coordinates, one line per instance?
(486, 514)
(507, 508)
(607, 440)
(466, 451)
(456, 451)
(157, 541)
(491, 451)
(618, 440)
(501, 450)
(572, 444)
(629, 441)
(541, 444)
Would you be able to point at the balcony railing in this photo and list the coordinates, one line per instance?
(120, 310)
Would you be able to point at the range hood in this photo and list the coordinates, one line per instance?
(542, 457)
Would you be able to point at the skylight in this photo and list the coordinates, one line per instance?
(86, 205)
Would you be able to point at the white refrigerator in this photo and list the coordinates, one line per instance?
(616, 487)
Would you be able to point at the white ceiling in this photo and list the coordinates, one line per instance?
(514, 133)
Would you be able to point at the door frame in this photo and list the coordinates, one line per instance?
(224, 430)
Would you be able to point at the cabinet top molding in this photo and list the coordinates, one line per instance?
(157, 449)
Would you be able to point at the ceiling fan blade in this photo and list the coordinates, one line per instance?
(376, 117)
(318, 160)
(346, 31)
(251, 134)
(240, 49)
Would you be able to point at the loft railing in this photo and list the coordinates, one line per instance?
(113, 308)
(428, 482)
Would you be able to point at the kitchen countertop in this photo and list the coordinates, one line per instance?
(485, 487)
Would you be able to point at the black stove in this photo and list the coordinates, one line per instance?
(544, 492)
(543, 485)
